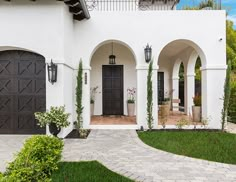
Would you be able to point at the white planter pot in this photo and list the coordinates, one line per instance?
(131, 109)
(91, 109)
(196, 113)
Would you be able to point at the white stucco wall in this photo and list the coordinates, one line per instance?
(165, 65)
(46, 27)
(123, 57)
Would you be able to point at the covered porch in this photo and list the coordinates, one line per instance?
(180, 80)
(113, 80)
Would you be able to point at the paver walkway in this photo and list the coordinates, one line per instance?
(231, 127)
(122, 152)
(9, 144)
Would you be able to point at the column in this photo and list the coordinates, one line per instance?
(141, 116)
(86, 97)
(190, 92)
(175, 94)
(213, 79)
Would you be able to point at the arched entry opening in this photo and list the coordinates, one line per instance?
(198, 77)
(177, 61)
(22, 91)
(112, 85)
(181, 88)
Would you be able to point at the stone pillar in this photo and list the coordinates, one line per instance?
(190, 92)
(175, 94)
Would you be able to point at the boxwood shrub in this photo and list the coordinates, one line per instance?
(36, 161)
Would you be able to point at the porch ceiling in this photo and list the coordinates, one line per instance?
(174, 49)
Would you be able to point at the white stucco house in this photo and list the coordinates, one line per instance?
(33, 33)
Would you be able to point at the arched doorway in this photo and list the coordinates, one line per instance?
(181, 87)
(198, 77)
(22, 91)
(177, 60)
(113, 83)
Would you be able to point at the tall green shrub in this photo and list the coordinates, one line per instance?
(36, 161)
(226, 97)
(79, 92)
(149, 97)
(232, 104)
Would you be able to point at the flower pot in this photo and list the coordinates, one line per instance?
(196, 110)
(91, 109)
(165, 110)
(53, 129)
(167, 103)
(131, 109)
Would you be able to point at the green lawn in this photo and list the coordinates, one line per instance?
(86, 172)
(212, 146)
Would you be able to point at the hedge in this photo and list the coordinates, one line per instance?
(36, 161)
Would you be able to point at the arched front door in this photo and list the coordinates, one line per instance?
(22, 91)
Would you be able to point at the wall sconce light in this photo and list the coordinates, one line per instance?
(148, 53)
(52, 72)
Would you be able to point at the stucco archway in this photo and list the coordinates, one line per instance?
(112, 81)
(171, 56)
(110, 41)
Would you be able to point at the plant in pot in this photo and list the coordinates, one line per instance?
(167, 100)
(56, 118)
(196, 108)
(93, 91)
(165, 107)
(131, 101)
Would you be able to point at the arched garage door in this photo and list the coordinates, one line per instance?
(22, 91)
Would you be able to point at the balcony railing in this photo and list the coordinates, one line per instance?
(142, 5)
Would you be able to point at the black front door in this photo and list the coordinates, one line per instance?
(112, 89)
(22, 91)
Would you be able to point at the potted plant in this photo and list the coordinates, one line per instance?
(167, 100)
(93, 92)
(196, 109)
(55, 118)
(165, 107)
(131, 101)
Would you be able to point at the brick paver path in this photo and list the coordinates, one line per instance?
(231, 127)
(123, 152)
(9, 145)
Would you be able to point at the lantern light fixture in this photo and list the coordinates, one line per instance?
(52, 72)
(148, 53)
(112, 57)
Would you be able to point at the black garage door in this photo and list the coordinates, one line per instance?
(22, 91)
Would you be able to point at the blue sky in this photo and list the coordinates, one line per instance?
(230, 5)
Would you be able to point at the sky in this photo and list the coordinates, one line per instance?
(229, 5)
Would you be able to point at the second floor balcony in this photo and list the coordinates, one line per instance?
(149, 5)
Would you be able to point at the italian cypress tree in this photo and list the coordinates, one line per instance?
(79, 91)
(226, 97)
(149, 97)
